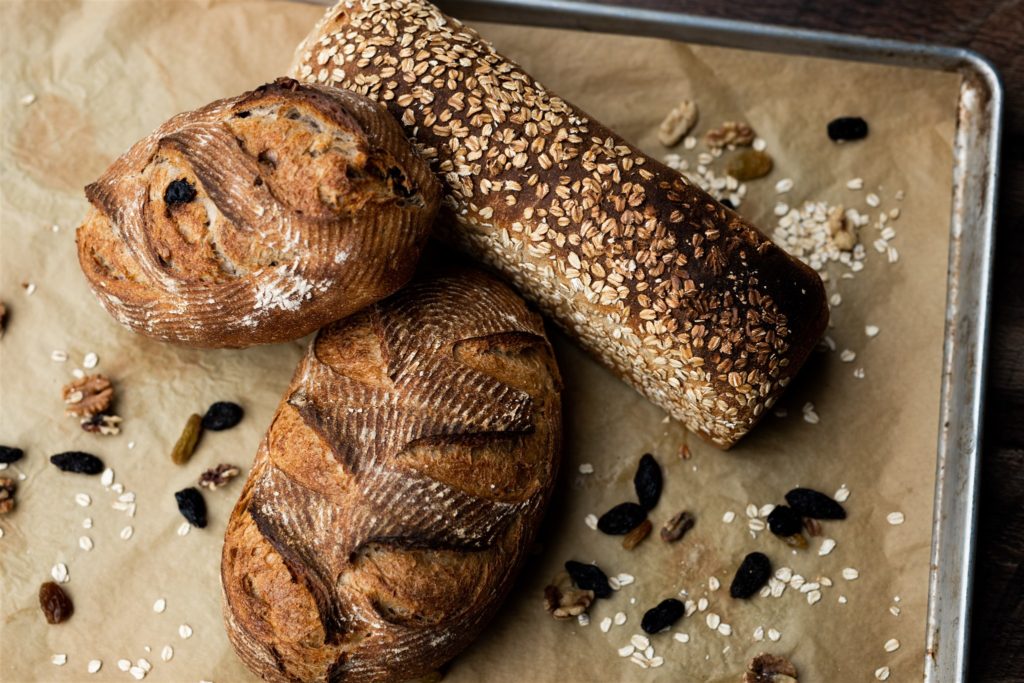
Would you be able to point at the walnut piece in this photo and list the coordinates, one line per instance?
(218, 476)
(88, 396)
(564, 601)
(766, 668)
(733, 133)
(7, 489)
(108, 425)
(842, 233)
(678, 123)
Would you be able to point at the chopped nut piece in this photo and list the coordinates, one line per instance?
(677, 527)
(186, 443)
(102, 423)
(564, 601)
(7, 489)
(843, 232)
(638, 534)
(218, 476)
(678, 123)
(88, 396)
(729, 133)
(765, 668)
(836, 220)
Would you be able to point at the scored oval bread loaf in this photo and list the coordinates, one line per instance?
(258, 218)
(398, 488)
(675, 293)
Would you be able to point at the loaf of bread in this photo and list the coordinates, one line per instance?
(398, 487)
(258, 218)
(672, 291)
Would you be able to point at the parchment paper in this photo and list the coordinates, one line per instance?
(106, 73)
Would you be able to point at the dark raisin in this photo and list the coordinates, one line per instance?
(589, 577)
(814, 504)
(622, 519)
(660, 617)
(222, 415)
(751, 576)
(727, 203)
(78, 462)
(9, 454)
(847, 128)
(192, 506)
(179, 191)
(243, 114)
(55, 603)
(647, 481)
(399, 182)
(783, 521)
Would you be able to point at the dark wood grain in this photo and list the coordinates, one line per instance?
(995, 29)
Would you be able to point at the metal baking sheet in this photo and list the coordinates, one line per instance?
(973, 196)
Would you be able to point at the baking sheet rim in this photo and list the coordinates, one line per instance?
(972, 233)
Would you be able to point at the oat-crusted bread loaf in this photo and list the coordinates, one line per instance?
(398, 488)
(675, 293)
(258, 218)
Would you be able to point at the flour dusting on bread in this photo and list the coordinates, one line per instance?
(398, 487)
(224, 227)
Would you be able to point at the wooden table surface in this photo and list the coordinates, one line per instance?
(993, 28)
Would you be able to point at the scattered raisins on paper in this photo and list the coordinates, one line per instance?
(784, 521)
(185, 446)
(648, 481)
(814, 504)
(663, 615)
(55, 603)
(847, 128)
(589, 577)
(222, 415)
(77, 462)
(192, 506)
(637, 535)
(622, 519)
(9, 454)
(753, 573)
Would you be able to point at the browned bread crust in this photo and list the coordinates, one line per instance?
(398, 487)
(258, 218)
(675, 293)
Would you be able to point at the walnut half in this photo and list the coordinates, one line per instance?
(766, 668)
(91, 395)
(564, 601)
